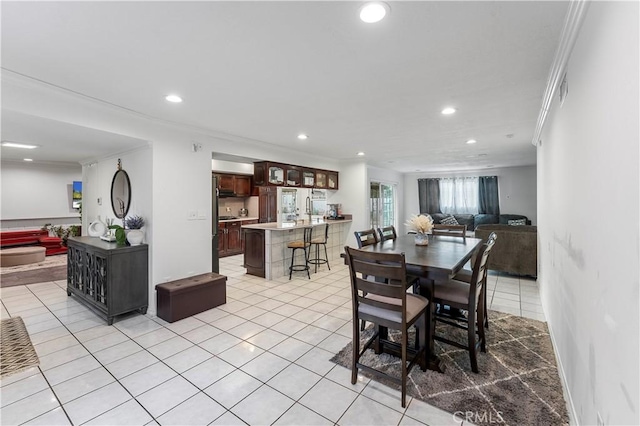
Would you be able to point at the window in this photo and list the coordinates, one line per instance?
(382, 205)
(459, 195)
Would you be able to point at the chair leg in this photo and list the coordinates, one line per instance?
(486, 313)
(356, 351)
(404, 367)
(471, 336)
(293, 255)
(326, 256)
(482, 315)
(306, 260)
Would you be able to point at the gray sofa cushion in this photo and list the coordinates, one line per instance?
(485, 219)
(505, 218)
(516, 249)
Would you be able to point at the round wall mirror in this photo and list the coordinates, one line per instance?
(120, 194)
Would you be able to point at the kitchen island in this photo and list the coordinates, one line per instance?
(266, 253)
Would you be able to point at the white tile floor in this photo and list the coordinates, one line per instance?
(262, 358)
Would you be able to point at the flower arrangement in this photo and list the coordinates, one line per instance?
(134, 222)
(420, 223)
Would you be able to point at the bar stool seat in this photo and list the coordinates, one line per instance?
(317, 260)
(304, 245)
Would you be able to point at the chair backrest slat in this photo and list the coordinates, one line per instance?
(387, 233)
(366, 238)
(450, 230)
(479, 275)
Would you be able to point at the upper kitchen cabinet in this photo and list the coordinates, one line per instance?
(233, 185)
(321, 179)
(308, 178)
(294, 177)
(332, 180)
(276, 174)
(242, 185)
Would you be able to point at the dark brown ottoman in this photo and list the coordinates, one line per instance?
(189, 296)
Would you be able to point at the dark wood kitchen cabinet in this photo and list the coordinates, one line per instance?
(109, 279)
(238, 185)
(268, 204)
(229, 238)
(254, 252)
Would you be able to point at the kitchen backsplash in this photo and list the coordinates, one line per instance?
(232, 206)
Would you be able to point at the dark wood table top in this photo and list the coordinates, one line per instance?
(444, 256)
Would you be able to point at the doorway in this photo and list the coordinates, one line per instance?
(382, 204)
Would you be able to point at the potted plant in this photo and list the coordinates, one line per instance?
(421, 225)
(121, 237)
(134, 224)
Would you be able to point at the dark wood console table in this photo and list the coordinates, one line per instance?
(109, 279)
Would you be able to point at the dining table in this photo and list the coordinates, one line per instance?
(440, 260)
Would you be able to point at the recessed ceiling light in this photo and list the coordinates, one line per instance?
(448, 110)
(302, 136)
(482, 155)
(173, 98)
(360, 153)
(28, 159)
(373, 12)
(18, 145)
(471, 141)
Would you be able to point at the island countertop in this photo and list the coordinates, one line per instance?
(285, 226)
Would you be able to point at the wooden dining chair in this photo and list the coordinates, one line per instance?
(317, 242)
(387, 233)
(385, 302)
(465, 275)
(366, 238)
(450, 230)
(466, 296)
(303, 245)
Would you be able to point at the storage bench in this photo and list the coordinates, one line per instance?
(190, 296)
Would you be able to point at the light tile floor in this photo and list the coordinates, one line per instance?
(262, 358)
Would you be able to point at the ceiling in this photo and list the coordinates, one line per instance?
(267, 71)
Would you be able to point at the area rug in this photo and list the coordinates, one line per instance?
(16, 351)
(54, 273)
(518, 382)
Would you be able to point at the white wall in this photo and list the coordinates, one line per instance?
(354, 197)
(516, 187)
(588, 186)
(37, 193)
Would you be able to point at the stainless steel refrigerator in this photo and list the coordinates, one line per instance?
(215, 259)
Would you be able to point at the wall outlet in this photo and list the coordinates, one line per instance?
(599, 421)
(99, 201)
(202, 214)
(192, 215)
(167, 279)
(228, 209)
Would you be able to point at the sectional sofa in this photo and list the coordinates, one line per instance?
(473, 221)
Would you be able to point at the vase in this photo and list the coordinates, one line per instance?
(421, 239)
(135, 237)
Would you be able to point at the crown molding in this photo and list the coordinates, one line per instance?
(570, 30)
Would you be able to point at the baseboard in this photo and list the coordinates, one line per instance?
(573, 417)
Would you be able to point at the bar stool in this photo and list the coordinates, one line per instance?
(316, 242)
(304, 245)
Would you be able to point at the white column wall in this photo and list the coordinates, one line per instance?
(588, 186)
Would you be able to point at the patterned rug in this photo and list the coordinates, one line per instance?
(16, 351)
(518, 382)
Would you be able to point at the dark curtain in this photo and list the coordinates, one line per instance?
(488, 194)
(429, 195)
